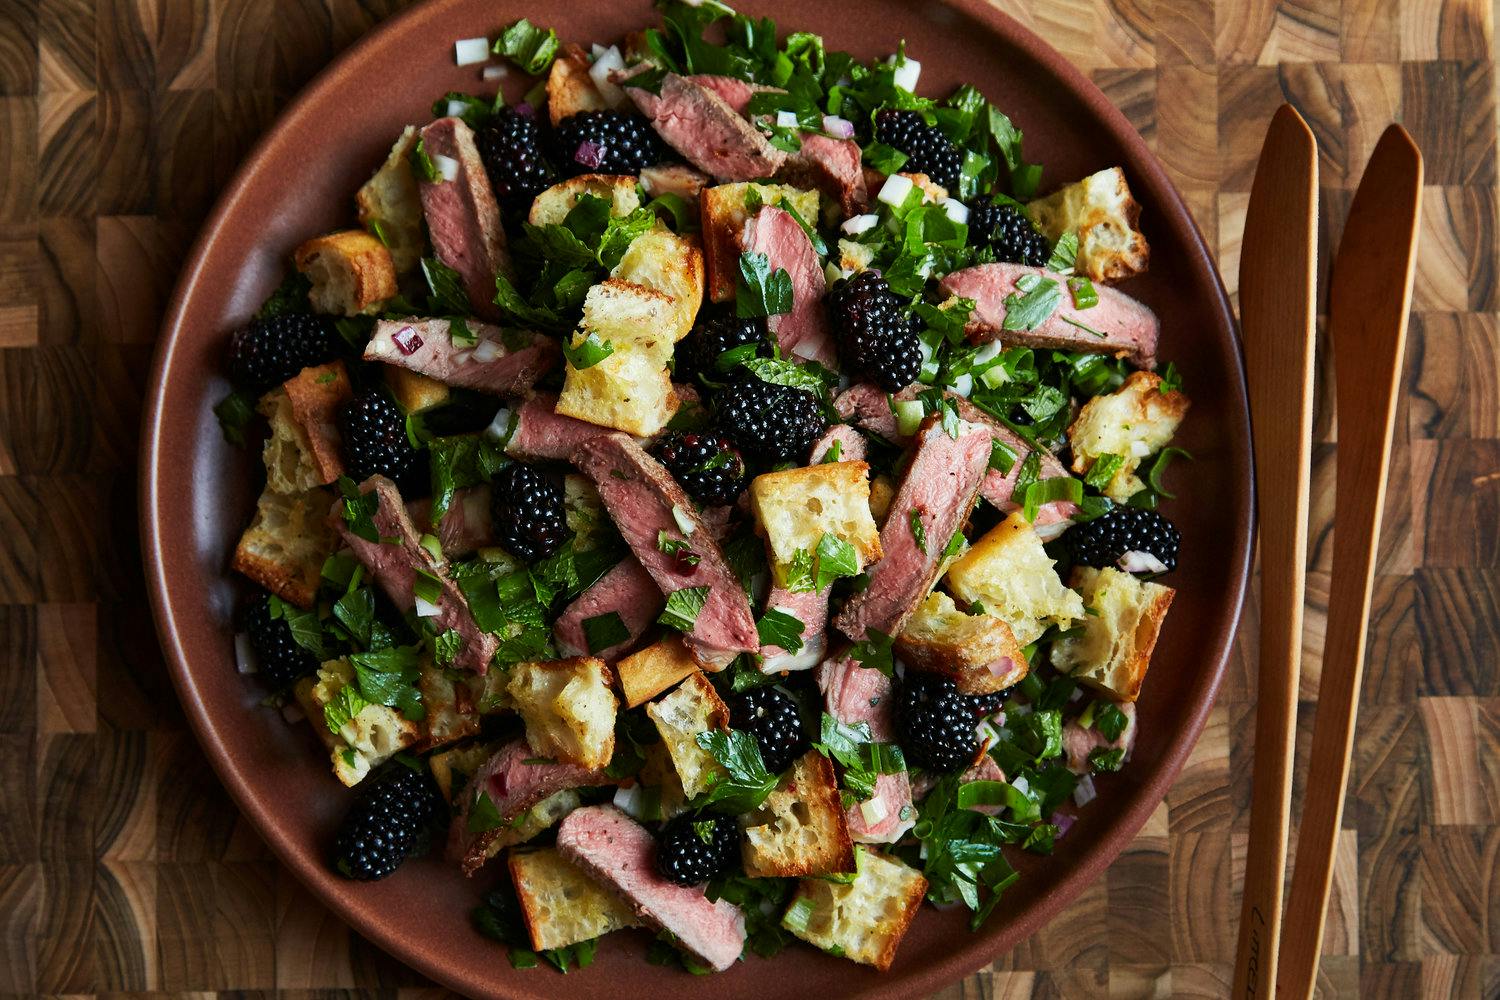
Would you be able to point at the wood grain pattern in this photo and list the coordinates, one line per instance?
(120, 119)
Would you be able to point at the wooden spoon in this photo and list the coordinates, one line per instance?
(1368, 306)
(1278, 292)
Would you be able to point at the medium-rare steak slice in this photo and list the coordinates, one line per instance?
(463, 217)
(426, 347)
(940, 486)
(803, 332)
(466, 525)
(628, 591)
(851, 444)
(544, 435)
(833, 166)
(854, 694)
(810, 607)
(644, 501)
(694, 120)
(396, 560)
(620, 854)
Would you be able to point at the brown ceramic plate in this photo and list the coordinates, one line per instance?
(197, 491)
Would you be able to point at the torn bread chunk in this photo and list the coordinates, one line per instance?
(568, 707)
(552, 206)
(693, 707)
(671, 264)
(649, 672)
(287, 453)
(1106, 218)
(449, 701)
(314, 396)
(863, 920)
(800, 828)
(1114, 651)
(1008, 574)
(286, 544)
(560, 904)
(351, 272)
(390, 206)
(362, 740)
(978, 652)
(795, 508)
(1133, 422)
(570, 89)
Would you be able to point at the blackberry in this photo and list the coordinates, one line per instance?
(711, 336)
(772, 718)
(706, 465)
(874, 335)
(280, 658)
(271, 350)
(607, 142)
(510, 146)
(1102, 541)
(373, 429)
(391, 809)
(935, 723)
(772, 422)
(1007, 231)
(690, 851)
(985, 705)
(928, 151)
(530, 519)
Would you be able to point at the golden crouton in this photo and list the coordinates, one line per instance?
(693, 707)
(1102, 212)
(931, 190)
(630, 389)
(800, 829)
(561, 904)
(863, 920)
(314, 396)
(1114, 651)
(978, 652)
(287, 543)
(649, 672)
(724, 210)
(671, 264)
(391, 207)
(369, 738)
(453, 766)
(795, 508)
(570, 89)
(552, 206)
(450, 714)
(351, 272)
(568, 707)
(1134, 421)
(1008, 572)
(414, 392)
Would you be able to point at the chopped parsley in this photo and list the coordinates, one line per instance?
(759, 290)
(529, 47)
(778, 628)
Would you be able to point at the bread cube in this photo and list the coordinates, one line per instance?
(287, 453)
(1008, 572)
(351, 272)
(570, 89)
(552, 206)
(670, 264)
(450, 715)
(390, 205)
(368, 739)
(724, 211)
(543, 815)
(314, 396)
(795, 508)
(452, 767)
(979, 652)
(413, 391)
(568, 707)
(863, 920)
(1114, 651)
(650, 671)
(1102, 212)
(693, 707)
(1134, 421)
(561, 904)
(854, 256)
(629, 313)
(800, 829)
(287, 543)
(628, 391)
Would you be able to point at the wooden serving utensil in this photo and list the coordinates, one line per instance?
(1278, 314)
(1368, 305)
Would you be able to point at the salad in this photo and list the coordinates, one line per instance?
(720, 485)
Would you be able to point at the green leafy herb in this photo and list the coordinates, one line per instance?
(886, 159)
(955, 545)
(1171, 379)
(762, 901)
(1159, 465)
(289, 297)
(1109, 720)
(678, 547)
(1002, 455)
(1034, 302)
(778, 371)
(748, 782)
(1064, 253)
(778, 628)
(1084, 294)
(682, 608)
(448, 295)
(1102, 759)
(874, 652)
(832, 454)
(446, 646)
(1038, 733)
(457, 463)
(342, 707)
(684, 218)
(835, 558)
(1103, 470)
(860, 757)
(1047, 491)
(422, 165)
(588, 352)
(389, 677)
(475, 110)
(603, 631)
(529, 47)
(759, 290)
(914, 517)
(799, 572)
(235, 412)
(306, 629)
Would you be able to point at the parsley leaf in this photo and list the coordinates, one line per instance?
(603, 631)
(1032, 304)
(587, 352)
(1109, 720)
(778, 628)
(528, 46)
(448, 295)
(748, 782)
(760, 291)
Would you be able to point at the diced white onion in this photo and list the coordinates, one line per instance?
(292, 713)
(1077, 695)
(963, 385)
(839, 128)
(987, 352)
(862, 223)
(894, 191)
(786, 119)
(631, 801)
(907, 73)
(500, 426)
(1084, 792)
(1020, 709)
(684, 520)
(873, 810)
(807, 350)
(1021, 784)
(596, 50)
(447, 166)
(1139, 449)
(955, 210)
(1047, 532)
(607, 61)
(493, 73)
(456, 109)
(245, 660)
(468, 51)
(486, 351)
(426, 609)
(1136, 561)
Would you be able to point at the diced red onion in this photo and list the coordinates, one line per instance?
(631, 802)
(244, 654)
(524, 109)
(407, 340)
(1063, 822)
(839, 128)
(1047, 532)
(500, 426)
(1084, 792)
(590, 154)
(806, 349)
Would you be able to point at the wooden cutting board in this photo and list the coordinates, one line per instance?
(123, 866)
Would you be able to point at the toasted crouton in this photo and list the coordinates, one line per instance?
(1105, 216)
(795, 508)
(800, 829)
(368, 738)
(854, 256)
(627, 391)
(450, 714)
(671, 264)
(351, 272)
(287, 453)
(524, 827)
(568, 707)
(314, 396)
(562, 905)
(1114, 651)
(632, 313)
(570, 89)
(1134, 421)
(978, 652)
(664, 797)
(678, 179)
(552, 206)
(724, 209)
(1007, 572)
(452, 767)
(931, 190)
(287, 543)
(863, 920)
(649, 672)
(414, 392)
(390, 205)
(882, 492)
(693, 708)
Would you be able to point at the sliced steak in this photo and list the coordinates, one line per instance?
(1125, 327)
(673, 178)
(866, 406)
(462, 215)
(803, 331)
(851, 442)
(1079, 742)
(424, 346)
(853, 694)
(644, 500)
(834, 167)
(543, 434)
(621, 855)
(694, 120)
(466, 525)
(810, 608)
(941, 484)
(627, 590)
(731, 90)
(515, 781)
(395, 563)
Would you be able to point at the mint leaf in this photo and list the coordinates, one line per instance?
(682, 608)
(448, 295)
(779, 371)
(603, 631)
(344, 705)
(1064, 253)
(1109, 720)
(1103, 470)
(748, 782)
(874, 652)
(446, 646)
(778, 628)
(1034, 302)
(835, 558)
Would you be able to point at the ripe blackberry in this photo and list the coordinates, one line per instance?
(269, 351)
(935, 724)
(772, 422)
(390, 810)
(530, 520)
(711, 336)
(984, 705)
(607, 142)
(690, 851)
(280, 658)
(1102, 541)
(510, 145)
(1006, 230)
(928, 151)
(771, 717)
(706, 465)
(874, 336)
(373, 429)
